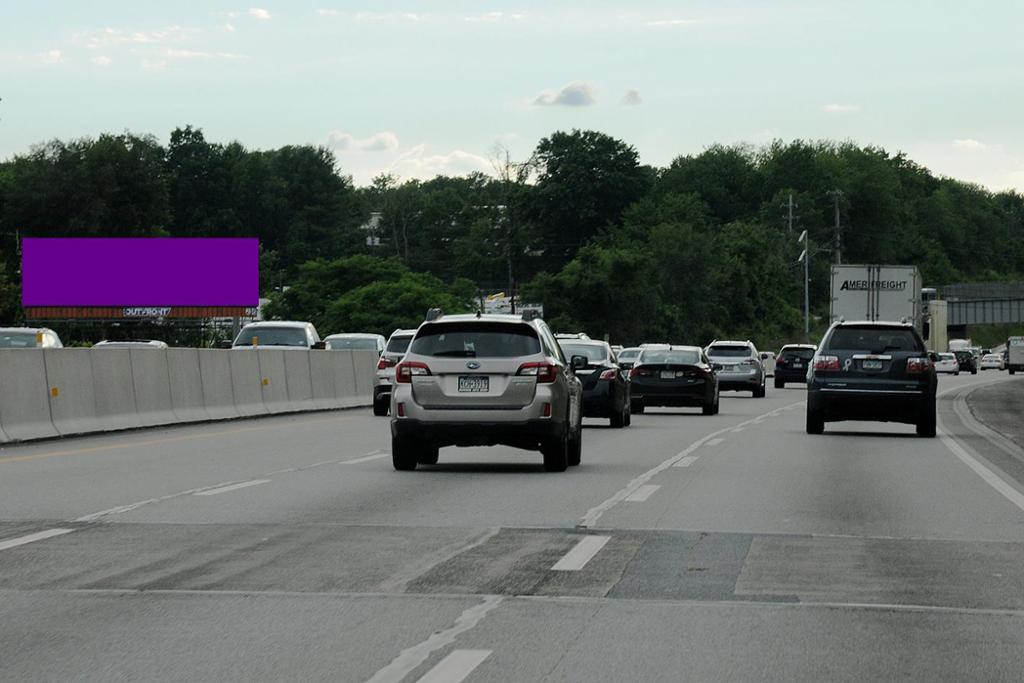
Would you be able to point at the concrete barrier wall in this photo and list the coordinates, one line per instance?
(24, 396)
(59, 392)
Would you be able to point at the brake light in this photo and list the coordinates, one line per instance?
(640, 372)
(544, 372)
(918, 365)
(608, 374)
(384, 363)
(826, 362)
(750, 361)
(406, 371)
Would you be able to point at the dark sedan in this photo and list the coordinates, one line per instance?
(605, 385)
(793, 363)
(675, 376)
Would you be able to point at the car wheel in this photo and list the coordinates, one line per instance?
(1012, 371)
(926, 425)
(956, 374)
(815, 422)
(974, 372)
(628, 418)
(427, 455)
(618, 420)
(779, 384)
(575, 453)
(556, 453)
(636, 407)
(759, 392)
(381, 406)
(403, 457)
(717, 406)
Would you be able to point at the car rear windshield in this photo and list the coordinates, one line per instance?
(352, 343)
(793, 354)
(398, 344)
(628, 354)
(730, 351)
(874, 339)
(273, 336)
(17, 340)
(590, 351)
(670, 358)
(476, 340)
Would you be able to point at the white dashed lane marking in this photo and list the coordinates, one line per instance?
(714, 442)
(32, 538)
(231, 487)
(685, 462)
(583, 552)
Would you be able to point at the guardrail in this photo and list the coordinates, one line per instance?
(46, 393)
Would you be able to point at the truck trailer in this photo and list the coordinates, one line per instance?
(878, 293)
(1015, 354)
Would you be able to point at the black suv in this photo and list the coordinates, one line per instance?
(872, 371)
(792, 364)
(967, 361)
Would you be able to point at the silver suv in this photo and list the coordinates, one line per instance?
(741, 366)
(484, 380)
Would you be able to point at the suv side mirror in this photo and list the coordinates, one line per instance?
(319, 346)
(579, 362)
(224, 344)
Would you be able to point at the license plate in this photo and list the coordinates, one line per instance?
(474, 383)
(798, 365)
(872, 365)
(668, 374)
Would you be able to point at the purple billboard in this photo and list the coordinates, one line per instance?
(145, 271)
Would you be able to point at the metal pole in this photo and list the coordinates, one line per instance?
(839, 235)
(807, 293)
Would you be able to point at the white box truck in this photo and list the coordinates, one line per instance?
(883, 293)
(1015, 354)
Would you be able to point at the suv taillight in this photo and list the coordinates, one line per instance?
(608, 374)
(407, 370)
(750, 361)
(826, 362)
(384, 363)
(544, 372)
(918, 365)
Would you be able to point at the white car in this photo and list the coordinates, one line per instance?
(279, 334)
(130, 344)
(356, 340)
(398, 344)
(947, 363)
(29, 338)
(992, 361)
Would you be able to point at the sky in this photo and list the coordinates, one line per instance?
(421, 88)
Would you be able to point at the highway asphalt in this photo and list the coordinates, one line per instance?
(720, 548)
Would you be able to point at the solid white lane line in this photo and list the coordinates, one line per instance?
(990, 477)
(583, 552)
(595, 513)
(366, 458)
(32, 538)
(231, 487)
(410, 658)
(686, 462)
(456, 666)
(714, 442)
(737, 430)
(642, 493)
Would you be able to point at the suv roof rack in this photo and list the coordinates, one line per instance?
(530, 314)
(434, 314)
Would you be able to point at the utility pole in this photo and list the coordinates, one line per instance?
(836, 194)
(806, 258)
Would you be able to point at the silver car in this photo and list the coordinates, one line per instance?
(484, 380)
(398, 344)
(741, 366)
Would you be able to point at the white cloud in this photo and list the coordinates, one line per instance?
(575, 94)
(229, 27)
(839, 108)
(969, 145)
(102, 60)
(675, 22)
(259, 13)
(418, 163)
(109, 37)
(51, 57)
(632, 98)
(385, 141)
(492, 17)
(387, 16)
(154, 64)
(199, 54)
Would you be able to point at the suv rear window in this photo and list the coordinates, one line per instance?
(590, 351)
(874, 339)
(792, 354)
(670, 357)
(398, 344)
(17, 340)
(273, 336)
(730, 351)
(472, 340)
(352, 343)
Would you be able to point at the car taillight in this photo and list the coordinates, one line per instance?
(384, 363)
(608, 374)
(640, 372)
(918, 365)
(750, 361)
(826, 362)
(544, 372)
(406, 371)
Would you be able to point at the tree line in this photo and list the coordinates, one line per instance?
(699, 249)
